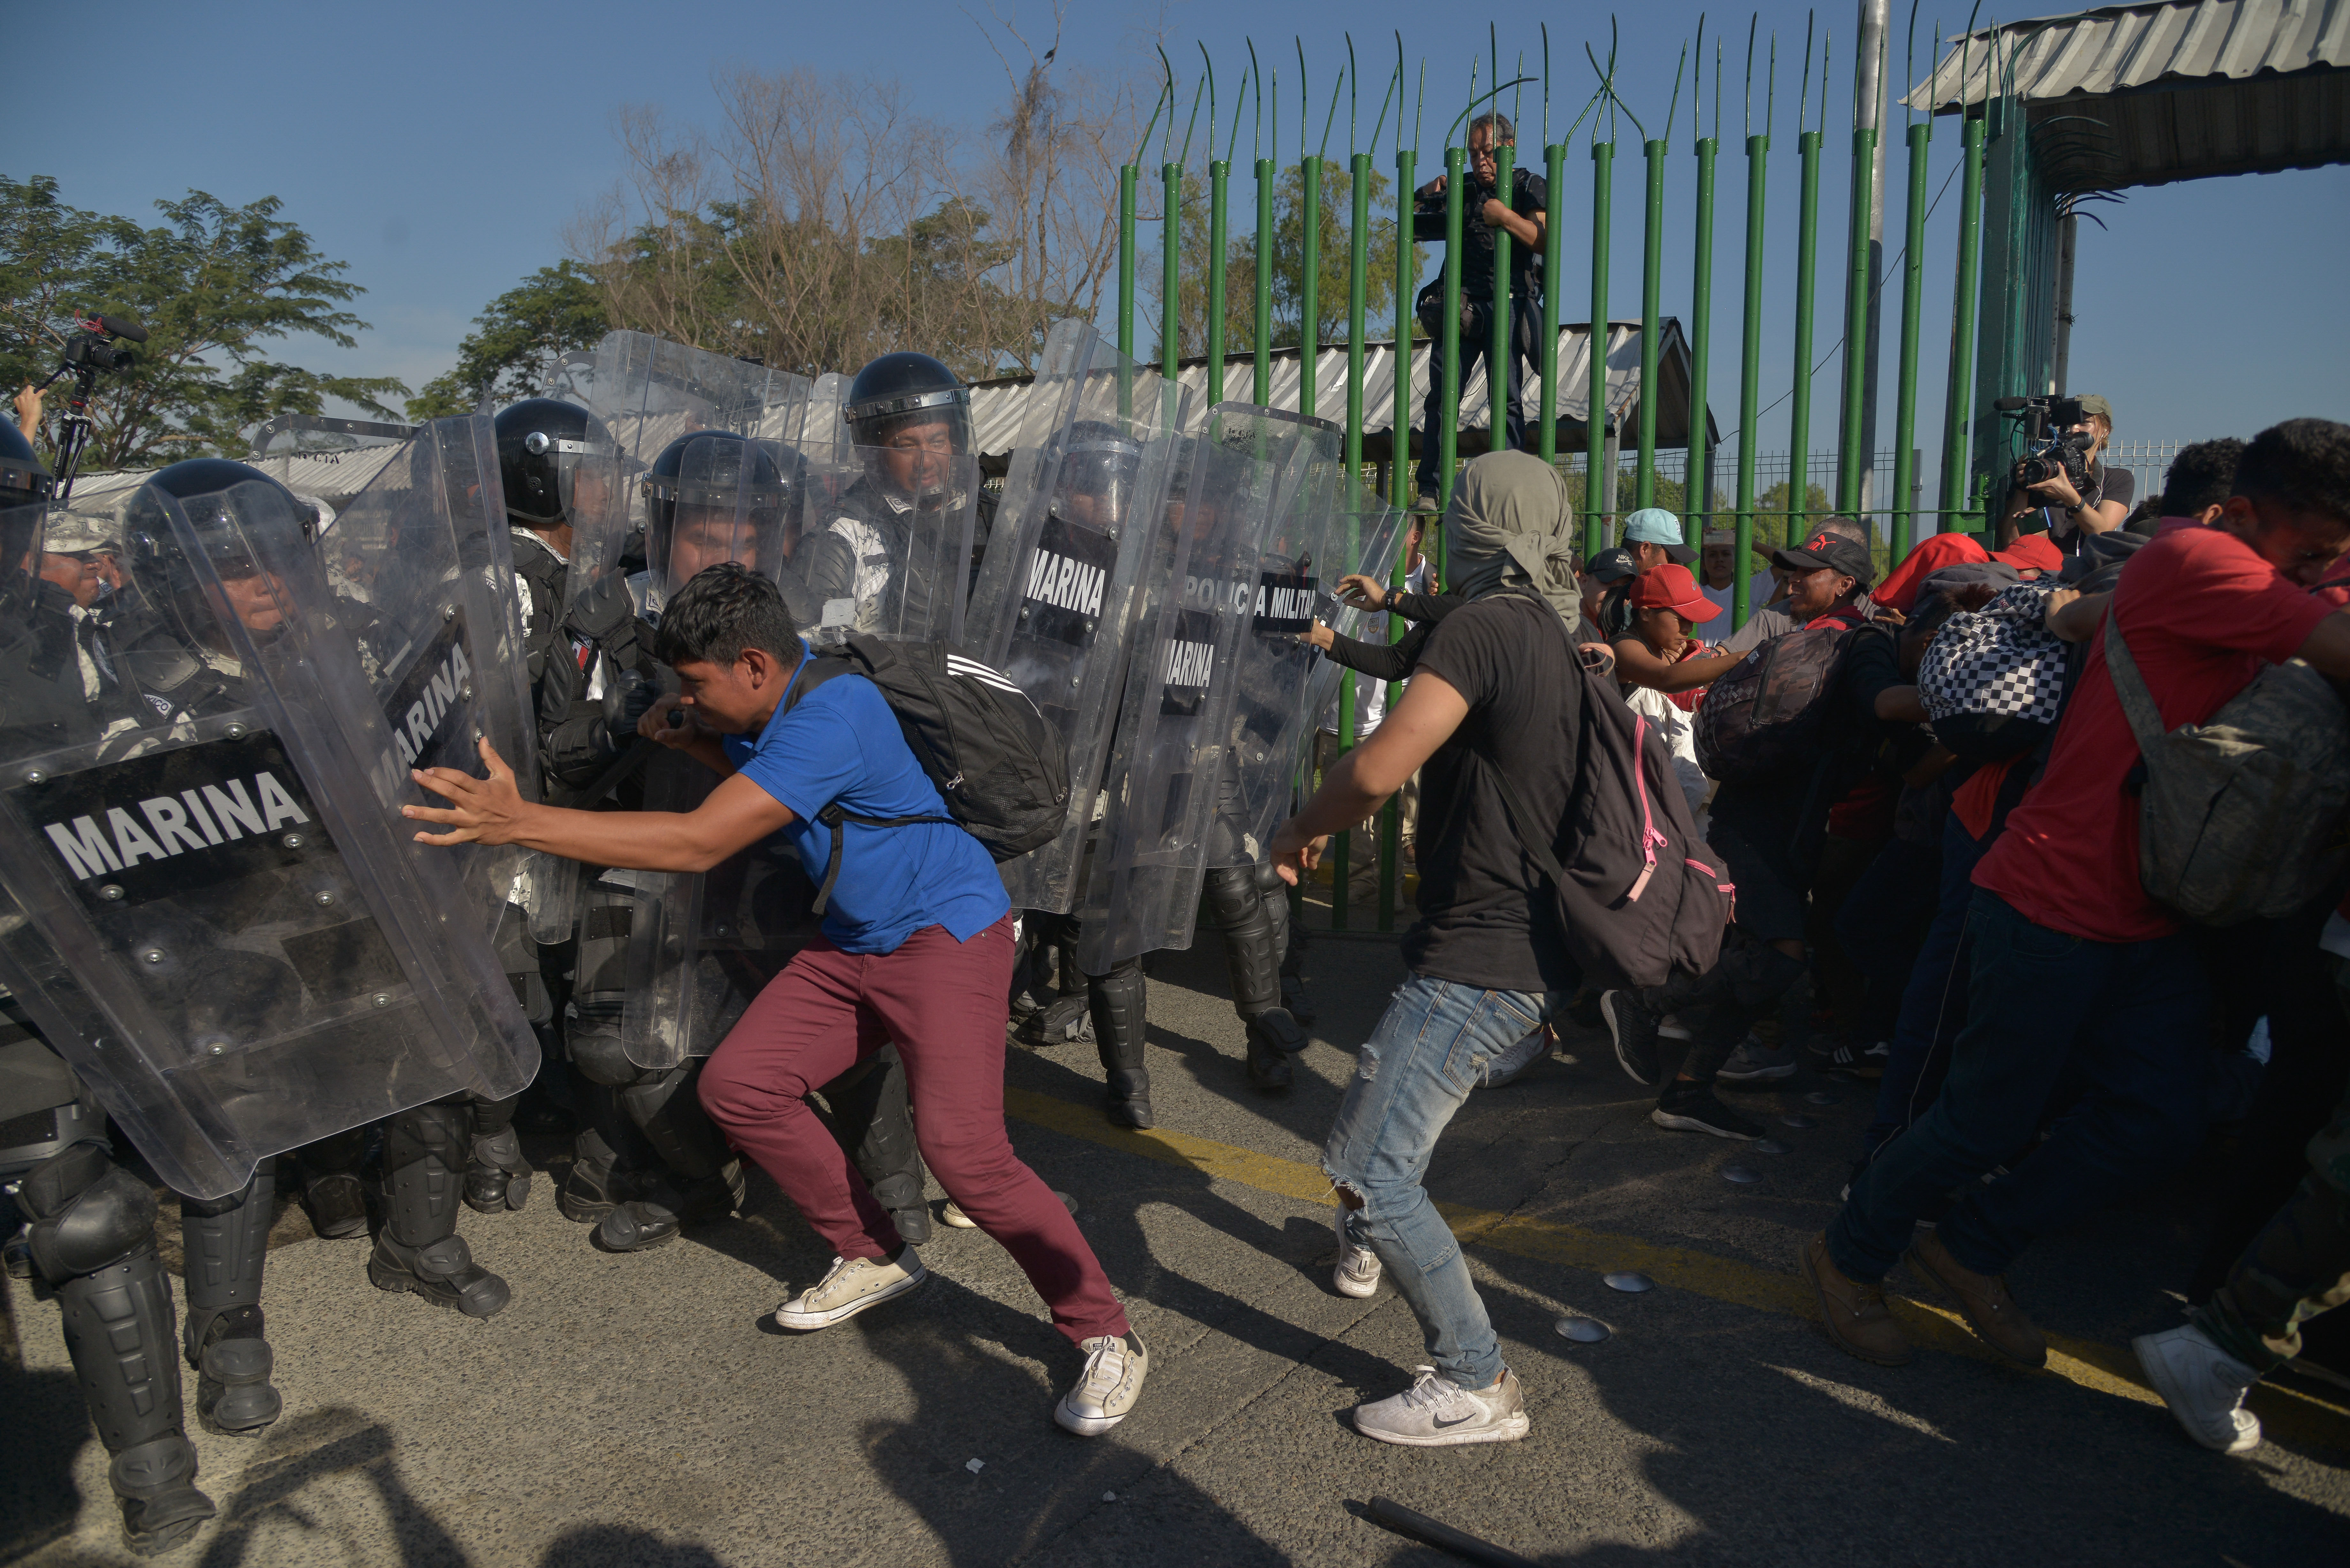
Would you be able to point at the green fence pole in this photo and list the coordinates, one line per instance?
(1652, 307)
(1750, 374)
(1128, 179)
(1399, 482)
(1171, 232)
(1220, 176)
(1501, 352)
(1799, 403)
(1358, 289)
(1309, 292)
(1448, 440)
(1956, 431)
(1851, 460)
(1264, 243)
(1603, 159)
(1697, 512)
(1553, 265)
(1913, 300)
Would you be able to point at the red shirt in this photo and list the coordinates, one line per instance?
(1900, 588)
(2202, 612)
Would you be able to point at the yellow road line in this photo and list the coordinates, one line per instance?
(2102, 1369)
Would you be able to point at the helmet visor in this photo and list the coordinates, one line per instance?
(727, 502)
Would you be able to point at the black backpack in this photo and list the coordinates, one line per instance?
(1639, 894)
(1766, 715)
(1002, 772)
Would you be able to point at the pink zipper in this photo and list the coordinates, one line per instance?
(1650, 838)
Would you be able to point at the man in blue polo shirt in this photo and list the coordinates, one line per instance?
(917, 948)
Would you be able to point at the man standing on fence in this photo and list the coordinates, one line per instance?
(1485, 212)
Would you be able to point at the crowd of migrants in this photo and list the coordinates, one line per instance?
(1891, 821)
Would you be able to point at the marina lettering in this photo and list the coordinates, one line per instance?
(173, 827)
(1065, 584)
(414, 730)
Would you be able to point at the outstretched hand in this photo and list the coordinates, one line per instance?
(1363, 593)
(1294, 855)
(481, 811)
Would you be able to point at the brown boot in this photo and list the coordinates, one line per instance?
(1854, 1314)
(1998, 1321)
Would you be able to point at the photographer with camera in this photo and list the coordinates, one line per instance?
(1522, 216)
(2060, 487)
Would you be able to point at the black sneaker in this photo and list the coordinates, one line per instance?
(1860, 1061)
(1691, 1107)
(1633, 1029)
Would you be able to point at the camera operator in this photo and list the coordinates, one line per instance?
(1484, 214)
(2067, 510)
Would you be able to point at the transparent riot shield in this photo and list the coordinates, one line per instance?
(1169, 750)
(425, 544)
(260, 954)
(1367, 536)
(1300, 559)
(890, 555)
(701, 944)
(1083, 509)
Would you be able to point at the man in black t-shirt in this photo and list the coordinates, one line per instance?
(1524, 217)
(1496, 693)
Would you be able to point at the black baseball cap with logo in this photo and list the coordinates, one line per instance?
(1832, 552)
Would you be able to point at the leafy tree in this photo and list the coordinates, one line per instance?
(555, 308)
(1289, 265)
(212, 284)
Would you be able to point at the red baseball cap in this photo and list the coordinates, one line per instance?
(2032, 553)
(1670, 587)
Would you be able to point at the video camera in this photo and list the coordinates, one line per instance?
(90, 353)
(2052, 445)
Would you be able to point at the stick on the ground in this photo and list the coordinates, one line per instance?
(1419, 1527)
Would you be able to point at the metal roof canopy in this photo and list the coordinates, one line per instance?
(2147, 95)
(995, 404)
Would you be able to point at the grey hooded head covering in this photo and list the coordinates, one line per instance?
(1510, 523)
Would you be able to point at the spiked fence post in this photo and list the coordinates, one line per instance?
(1852, 458)
(1448, 440)
(1697, 508)
(1603, 159)
(1799, 402)
(1956, 506)
(1749, 373)
(1128, 178)
(1652, 311)
(1913, 300)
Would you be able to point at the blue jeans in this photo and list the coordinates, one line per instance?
(1934, 1004)
(2125, 1021)
(1430, 1048)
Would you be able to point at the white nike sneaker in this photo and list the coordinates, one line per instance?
(1358, 1273)
(1434, 1413)
(2204, 1387)
(850, 1286)
(1109, 1386)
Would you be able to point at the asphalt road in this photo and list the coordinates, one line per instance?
(633, 1409)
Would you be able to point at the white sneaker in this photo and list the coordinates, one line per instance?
(851, 1285)
(1358, 1273)
(1672, 1028)
(1436, 1414)
(955, 1217)
(2204, 1387)
(1106, 1389)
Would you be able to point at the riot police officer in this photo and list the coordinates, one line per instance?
(879, 564)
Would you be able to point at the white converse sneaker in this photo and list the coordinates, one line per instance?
(2204, 1387)
(955, 1217)
(1106, 1389)
(851, 1285)
(1435, 1414)
(1358, 1273)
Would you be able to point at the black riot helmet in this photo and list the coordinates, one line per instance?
(25, 487)
(732, 494)
(1099, 464)
(904, 392)
(231, 508)
(545, 447)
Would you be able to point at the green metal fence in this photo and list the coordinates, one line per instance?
(1999, 271)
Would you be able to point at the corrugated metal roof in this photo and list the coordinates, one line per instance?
(333, 477)
(995, 406)
(2150, 94)
(2125, 46)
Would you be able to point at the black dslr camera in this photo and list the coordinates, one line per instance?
(2052, 445)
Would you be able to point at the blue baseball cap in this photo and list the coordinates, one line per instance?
(1655, 526)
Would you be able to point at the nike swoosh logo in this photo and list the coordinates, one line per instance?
(1440, 1424)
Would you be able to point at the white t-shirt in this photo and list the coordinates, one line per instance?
(1679, 732)
(1758, 592)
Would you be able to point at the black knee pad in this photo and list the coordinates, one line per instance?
(87, 1213)
(668, 1111)
(599, 1055)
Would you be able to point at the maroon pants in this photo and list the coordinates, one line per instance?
(944, 1003)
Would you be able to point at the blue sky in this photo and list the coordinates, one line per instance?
(441, 149)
